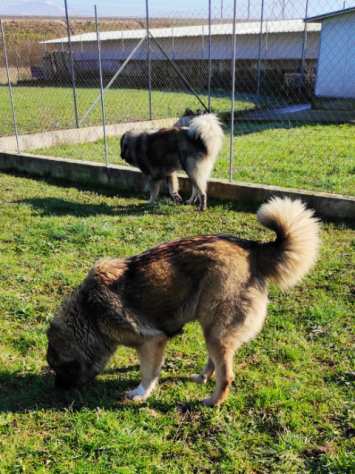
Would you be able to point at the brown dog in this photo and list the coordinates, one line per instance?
(142, 301)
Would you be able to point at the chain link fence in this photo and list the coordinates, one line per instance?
(274, 70)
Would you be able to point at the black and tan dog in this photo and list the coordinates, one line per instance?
(142, 301)
(159, 154)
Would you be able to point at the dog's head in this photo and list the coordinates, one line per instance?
(126, 155)
(74, 353)
(187, 117)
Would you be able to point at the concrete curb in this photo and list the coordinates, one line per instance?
(76, 135)
(328, 206)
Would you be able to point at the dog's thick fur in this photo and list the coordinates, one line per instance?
(141, 301)
(159, 154)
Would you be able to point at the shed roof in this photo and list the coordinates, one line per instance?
(320, 18)
(242, 28)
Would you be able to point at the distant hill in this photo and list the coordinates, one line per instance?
(24, 33)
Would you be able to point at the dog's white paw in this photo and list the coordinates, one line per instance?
(138, 394)
(199, 378)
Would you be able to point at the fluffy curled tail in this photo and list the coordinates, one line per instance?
(208, 128)
(295, 250)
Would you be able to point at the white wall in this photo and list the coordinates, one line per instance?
(336, 65)
(274, 46)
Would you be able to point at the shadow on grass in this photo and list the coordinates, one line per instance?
(57, 206)
(53, 206)
(61, 207)
(22, 393)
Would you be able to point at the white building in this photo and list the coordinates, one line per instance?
(280, 49)
(280, 40)
(336, 63)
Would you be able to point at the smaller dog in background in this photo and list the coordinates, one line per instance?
(159, 154)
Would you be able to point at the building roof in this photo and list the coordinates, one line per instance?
(320, 18)
(219, 29)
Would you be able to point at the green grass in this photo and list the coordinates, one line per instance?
(314, 157)
(290, 408)
(49, 108)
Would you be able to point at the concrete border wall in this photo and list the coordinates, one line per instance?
(328, 206)
(77, 135)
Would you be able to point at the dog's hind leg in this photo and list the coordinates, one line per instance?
(201, 193)
(173, 184)
(154, 188)
(224, 339)
(192, 199)
(206, 373)
(222, 357)
(199, 173)
(151, 356)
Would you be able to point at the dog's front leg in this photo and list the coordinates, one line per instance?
(173, 184)
(151, 356)
(154, 187)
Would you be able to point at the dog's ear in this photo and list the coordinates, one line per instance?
(53, 327)
(121, 141)
(56, 334)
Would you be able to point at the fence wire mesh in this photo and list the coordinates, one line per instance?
(293, 113)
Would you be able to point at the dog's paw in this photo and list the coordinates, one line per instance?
(192, 200)
(210, 402)
(177, 199)
(199, 378)
(138, 394)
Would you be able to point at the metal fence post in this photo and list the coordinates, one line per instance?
(72, 69)
(148, 59)
(103, 115)
(304, 42)
(9, 85)
(258, 73)
(209, 54)
(172, 43)
(178, 72)
(112, 80)
(231, 142)
(283, 9)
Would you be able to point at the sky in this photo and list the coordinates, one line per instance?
(190, 8)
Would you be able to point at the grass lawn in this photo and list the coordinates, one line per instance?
(50, 108)
(290, 409)
(315, 157)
